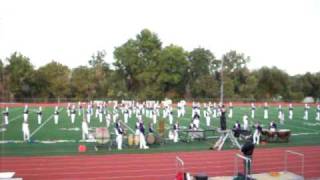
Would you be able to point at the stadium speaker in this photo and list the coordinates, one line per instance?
(201, 176)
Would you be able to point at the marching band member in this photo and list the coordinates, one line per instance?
(85, 129)
(223, 119)
(108, 119)
(25, 130)
(151, 129)
(6, 116)
(280, 112)
(265, 111)
(196, 120)
(88, 114)
(25, 113)
(214, 115)
(253, 110)
(141, 136)
(79, 108)
(318, 112)
(281, 115)
(73, 114)
(230, 110)
(56, 115)
(273, 126)
(170, 117)
(192, 126)
(257, 133)
(236, 129)
(39, 113)
(97, 110)
(306, 111)
(68, 109)
(290, 111)
(175, 132)
(207, 116)
(126, 115)
(115, 113)
(245, 122)
(100, 113)
(119, 134)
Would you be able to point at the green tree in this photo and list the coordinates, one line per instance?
(82, 87)
(20, 72)
(55, 79)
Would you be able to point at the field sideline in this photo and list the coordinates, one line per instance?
(303, 132)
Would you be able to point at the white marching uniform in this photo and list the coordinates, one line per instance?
(256, 134)
(119, 137)
(207, 116)
(142, 139)
(25, 131)
(100, 114)
(175, 133)
(126, 116)
(245, 122)
(290, 112)
(85, 130)
(73, 115)
(25, 115)
(88, 116)
(253, 110)
(318, 113)
(6, 116)
(306, 112)
(154, 116)
(170, 117)
(39, 116)
(108, 119)
(56, 116)
(265, 112)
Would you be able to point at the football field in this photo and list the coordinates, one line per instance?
(64, 138)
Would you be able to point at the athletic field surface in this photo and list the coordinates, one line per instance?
(52, 151)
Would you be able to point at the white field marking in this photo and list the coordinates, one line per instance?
(15, 118)
(45, 122)
(128, 127)
(299, 134)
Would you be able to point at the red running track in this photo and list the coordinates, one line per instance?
(151, 166)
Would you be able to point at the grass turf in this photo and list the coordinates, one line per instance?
(303, 132)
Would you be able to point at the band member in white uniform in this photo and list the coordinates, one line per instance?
(119, 135)
(141, 136)
(196, 120)
(214, 110)
(245, 122)
(68, 109)
(79, 108)
(108, 119)
(73, 114)
(126, 115)
(100, 114)
(257, 133)
(170, 117)
(175, 132)
(306, 112)
(290, 111)
(230, 114)
(85, 129)
(25, 113)
(25, 131)
(273, 126)
(6, 116)
(207, 116)
(56, 115)
(39, 113)
(265, 111)
(318, 112)
(88, 114)
(253, 110)
(154, 116)
(281, 114)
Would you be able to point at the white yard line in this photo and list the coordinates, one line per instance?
(45, 122)
(127, 127)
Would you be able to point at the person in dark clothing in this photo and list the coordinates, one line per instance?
(247, 150)
(223, 121)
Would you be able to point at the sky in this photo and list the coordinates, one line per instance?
(281, 33)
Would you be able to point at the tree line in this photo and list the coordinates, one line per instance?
(144, 69)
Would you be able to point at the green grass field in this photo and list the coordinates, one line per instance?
(302, 132)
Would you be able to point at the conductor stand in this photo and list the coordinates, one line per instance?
(224, 135)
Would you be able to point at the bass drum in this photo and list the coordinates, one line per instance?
(151, 139)
(284, 134)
